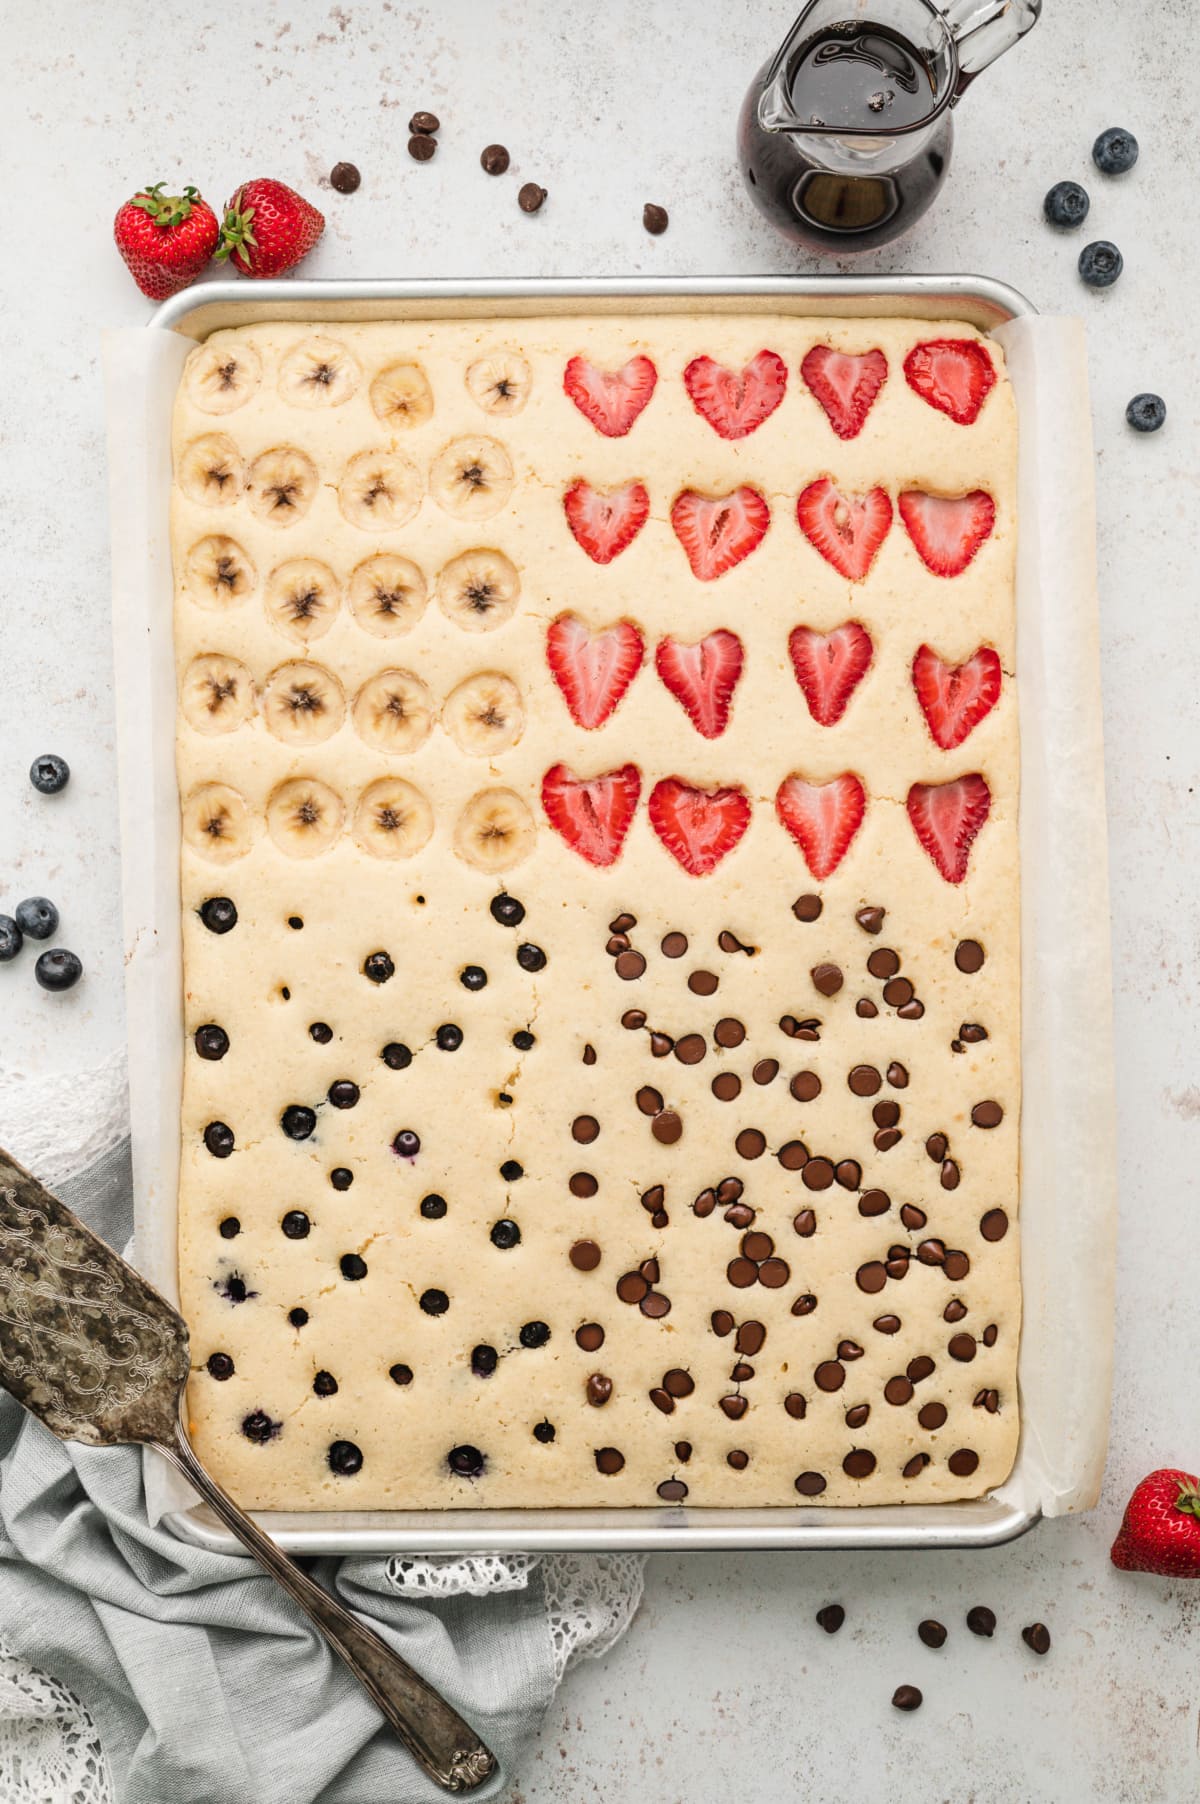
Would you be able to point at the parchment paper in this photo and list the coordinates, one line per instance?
(1068, 1147)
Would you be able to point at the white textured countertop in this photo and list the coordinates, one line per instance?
(724, 1685)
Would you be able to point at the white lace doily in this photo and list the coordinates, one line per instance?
(50, 1752)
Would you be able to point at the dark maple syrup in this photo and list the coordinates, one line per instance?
(851, 77)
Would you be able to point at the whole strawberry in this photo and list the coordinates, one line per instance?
(166, 239)
(268, 228)
(1160, 1531)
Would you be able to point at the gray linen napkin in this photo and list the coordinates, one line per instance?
(205, 1683)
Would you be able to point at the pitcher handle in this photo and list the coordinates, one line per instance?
(984, 29)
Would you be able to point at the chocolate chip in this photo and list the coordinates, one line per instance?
(987, 1114)
(729, 1032)
(911, 1011)
(858, 1463)
(667, 1127)
(858, 1415)
(421, 147)
(886, 1324)
(796, 1405)
(971, 1033)
(897, 992)
(807, 908)
(629, 966)
(609, 1460)
(963, 1462)
(885, 1114)
(981, 1620)
(883, 962)
(805, 1223)
(655, 219)
(865, 1008)
(584, 1255)
(827, 978)
(738, 1459)
(805, 1086)
(989, 1335)
(804, 1305)
(897, 1076)
(585, 1129)
(898, 1391)
(734, 1407)
(864, 1080)
(920, 1368)
(727, 1086)
(916, 1465)
(722, 1322)
(691, 1049)
(672, 1490)
(632, 1287)
(582, 1184)
(886, 1138)
(932, 1415)
(950, 1175)
(751, 1144)
(817, 1174)
(932, 1251)
(969, 955)
(674, 945)
(345, 178)
(830, 1375)
(219, 1366)
(1037, 1637)
(661, 1045)
(907, 1697)
(874, 1202)
(956, 1265)
(494, 159)
(703, 983)
(831, 1617)
(322, 1033)
(994, 1225)
(897, 1266)
(741, 1273)
(871, 1277)
(774, 1273)
(810, 1484)
(589, 1336)
(848, 1173)
(751, 1337)
(793, 1155)
(598, 1390)
(962, 1347)
(954, 1311)
(729, 942)
(529, 200)
(424, 122)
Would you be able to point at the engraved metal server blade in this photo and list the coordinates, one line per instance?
(94, 1351)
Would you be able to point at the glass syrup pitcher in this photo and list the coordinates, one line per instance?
(845, 135)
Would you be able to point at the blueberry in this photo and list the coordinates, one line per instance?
(258, 1426)
(378, 967)
(37, 917)
(325, 1385)
(484, 1360)
(396, 1056)
(400, 1374)
(534, 1334)
(345, 1458)
(466, 1461)
(321, 1032)
(297, 1122)
(407, 1143)
(11, 939)
(507, 910)
(296, 1224)
(233, 1288)
(544, 1431)
(217, 1136)
(295, 922)
(505, 1234)
(343, 1094)
(218, 914)
(297, 1317)
(449, 1037)
(211, 1042)
(58, 969)
(230, 1228)
(341, 1177)
(1146, 413)
(511, 1170)
(1100, 263)
(434, 1302)
(220, 1366)
(472, 977)
(433, 1207)
(1115, 151)
(530, 957)
(49, 773)
(523, 1040)
(1066, 204)
(352, 1266)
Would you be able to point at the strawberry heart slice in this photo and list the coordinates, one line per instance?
(947, 530)
(734, 404)
(946, 817)
(699, 827)
(954, 698)
(702, 677)
(955, 375)
(592, 814)
(845, 386)
(718, 531)
(593, 670)
(829, 667)
(605, 521)
(847, 530)
(610, 399)
(822, 818)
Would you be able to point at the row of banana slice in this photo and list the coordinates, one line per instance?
(392, 819)
(378, 491)
(224, 374)
(387, 594)
(394, 711)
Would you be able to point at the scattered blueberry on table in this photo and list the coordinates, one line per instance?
(1115, 151)
(49, 773)
(1100, 263)
(11, 939)
(37, 917)
(58, 969)
(1066, 204)
(1146, 413)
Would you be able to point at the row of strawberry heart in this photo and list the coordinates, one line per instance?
(700, 827)
(594, 670)
(953, 375)
(718, 531)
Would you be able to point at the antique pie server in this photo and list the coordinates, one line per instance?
(94, 1351)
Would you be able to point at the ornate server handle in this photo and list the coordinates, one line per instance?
(434, 1734)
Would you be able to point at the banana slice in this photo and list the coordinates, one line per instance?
(393, 819)
(472, 478)
(401, 396)
(495, 830)
(217, 573)
(302, 598)
(479, 590)
(222, 374)
(216, 694)
(485, 714)
(281, 484)
(210, 470)
(379, 490)
(393, 711)
(217, 823)
(304, 817)
(319, 372)
(500, 382)
(302, 704)
(387, 595)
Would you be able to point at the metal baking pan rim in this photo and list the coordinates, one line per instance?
(989, 1521)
